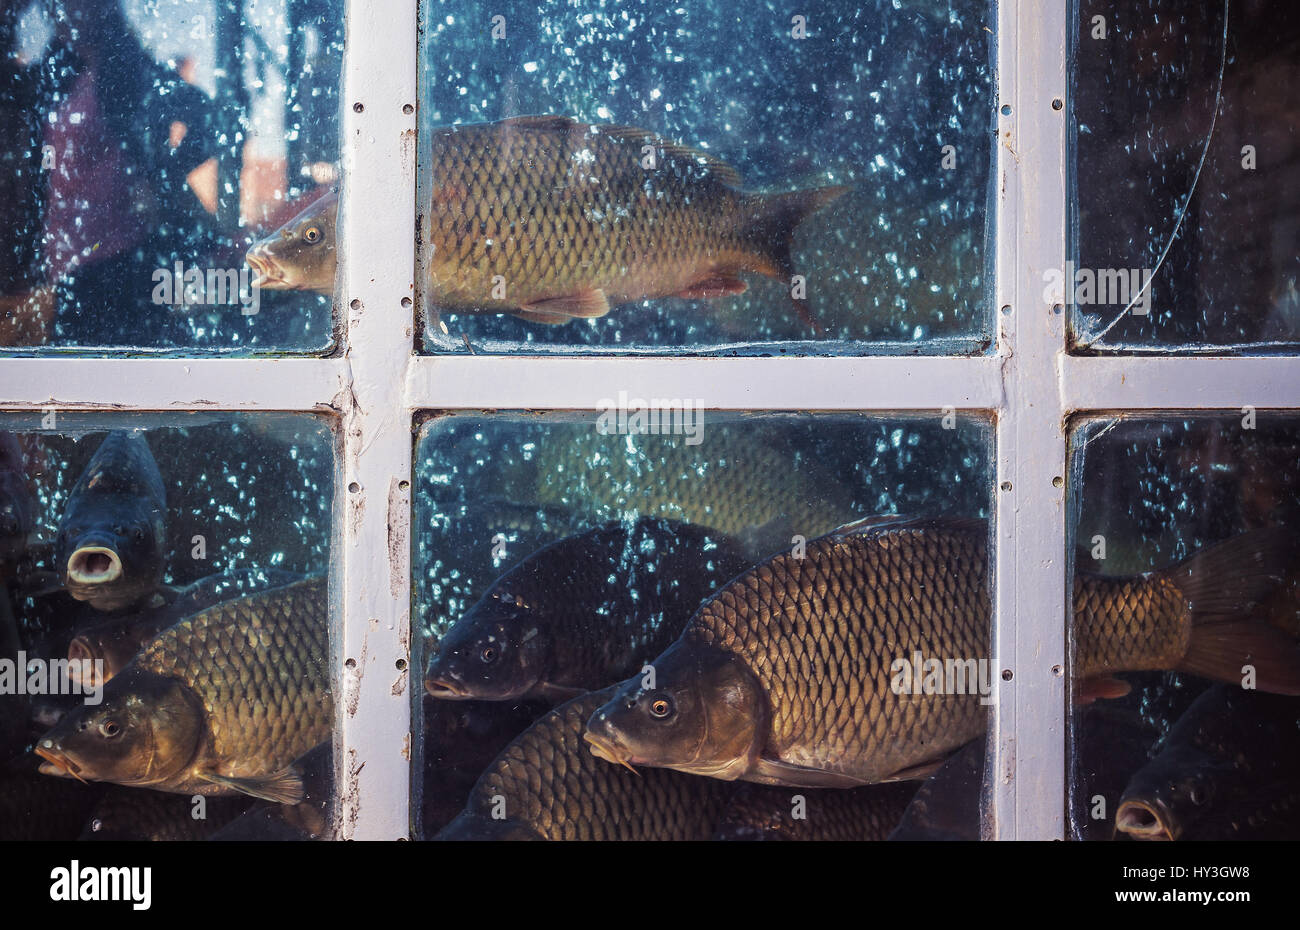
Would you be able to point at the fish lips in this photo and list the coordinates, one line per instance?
(1147, 819)
(82, 668)
(444, 688)
(93, 564)
(57, 762)
(604, 742)
(269, 272)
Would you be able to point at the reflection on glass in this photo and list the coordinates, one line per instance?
(1185, 723)
(1186, 176)
(704, 176)
(145, 149)
(164, 639)
(733, 608)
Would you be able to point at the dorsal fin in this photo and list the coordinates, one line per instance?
(881, 522)
(718, 169)
(548, 122)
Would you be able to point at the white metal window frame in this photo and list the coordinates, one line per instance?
(376, 385)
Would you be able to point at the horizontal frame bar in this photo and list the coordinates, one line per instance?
(1150, 383)
(173, 384)
(803, 383)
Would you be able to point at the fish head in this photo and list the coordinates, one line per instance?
(110, 545)
(499, 651)
(110, 553)
(106, 646)
(1168, 795)
(145, 731)
(300, 255)
(696, 709)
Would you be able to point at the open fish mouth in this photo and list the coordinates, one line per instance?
(94, 565)
(269, 273)
(81, 663)
(1147, 821)
(56, 763)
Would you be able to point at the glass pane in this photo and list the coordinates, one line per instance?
(146, 148)
(815, 178)
(164, 626)
(1187, 186)
(1185, 723)
(564, 566)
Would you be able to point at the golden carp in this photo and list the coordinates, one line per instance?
(222, 702)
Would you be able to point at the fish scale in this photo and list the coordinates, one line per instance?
(258, 665)
(737, 480)
(556, 208)
(1129, 623)
(787, 676)
(557, 790)
(843, 614)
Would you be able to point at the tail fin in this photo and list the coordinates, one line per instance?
(770, 230)
(1224, 585)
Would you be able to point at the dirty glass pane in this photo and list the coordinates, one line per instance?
(830, 160)
(558, 556)
(145, 147)
(1187, 184)
(164, 626)
(1185, 723)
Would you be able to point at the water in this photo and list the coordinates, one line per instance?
(493, 490)
(249, 506)
(146, 143)
(871, 97)
(1151, 493)
(1185, 171)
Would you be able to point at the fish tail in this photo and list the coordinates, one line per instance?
(1224, 585)
(770, 228)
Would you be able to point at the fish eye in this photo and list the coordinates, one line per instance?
(661, 707)
(1197, 795)
(311, 235)
(488, 655)
(110, 728)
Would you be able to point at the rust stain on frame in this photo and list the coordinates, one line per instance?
(399, 528)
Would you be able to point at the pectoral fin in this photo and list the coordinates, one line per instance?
(586, 304)
(283, 787)
(921, 769)
(775, 772)
(1092, 689)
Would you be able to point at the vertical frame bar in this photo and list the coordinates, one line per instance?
(1028, 738)
(377, 218)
